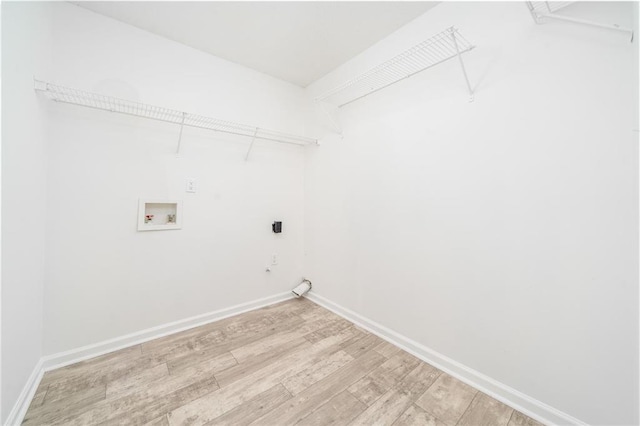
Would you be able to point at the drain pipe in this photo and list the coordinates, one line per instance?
(302, 288)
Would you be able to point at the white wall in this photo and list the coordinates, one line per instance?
(25, 33)
(501, 233)
(105, 279)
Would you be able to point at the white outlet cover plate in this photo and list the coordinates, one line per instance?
(191, 185)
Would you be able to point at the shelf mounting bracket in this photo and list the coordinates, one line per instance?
(464, 71)
(253, 139)
(184, 114)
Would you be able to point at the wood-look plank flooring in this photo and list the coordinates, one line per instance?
(292, 363)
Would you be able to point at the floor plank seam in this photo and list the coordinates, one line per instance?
(234, 357)
(511, 417)
(44, 398)
(285, 388)
(430, 386)
(467, 409)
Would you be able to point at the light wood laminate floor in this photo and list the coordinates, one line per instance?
(289, 363)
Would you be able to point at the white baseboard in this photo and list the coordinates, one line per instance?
(22, 404)
(62, 359)
(51, 362)
(521, 402)
(525, 404)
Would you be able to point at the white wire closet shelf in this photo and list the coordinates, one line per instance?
(109, 103)
(435, 50)
(541, 10)
(549, 6)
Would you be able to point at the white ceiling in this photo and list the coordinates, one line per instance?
(297, 42)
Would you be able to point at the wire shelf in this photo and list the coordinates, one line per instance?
(549, 6)
(542, 11)
(109, 103)
(435, 50)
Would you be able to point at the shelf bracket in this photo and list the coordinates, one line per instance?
(464, 71)
(551, 15)
(246, 158)
(533, 13)
(614, 27)
(180, 135)
(334, 123)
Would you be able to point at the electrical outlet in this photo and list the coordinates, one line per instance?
(191, 185)
(274, 259)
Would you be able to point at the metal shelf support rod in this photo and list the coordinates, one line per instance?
(464, 71)
(253, 139)
(180, 135)
(334, 123)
